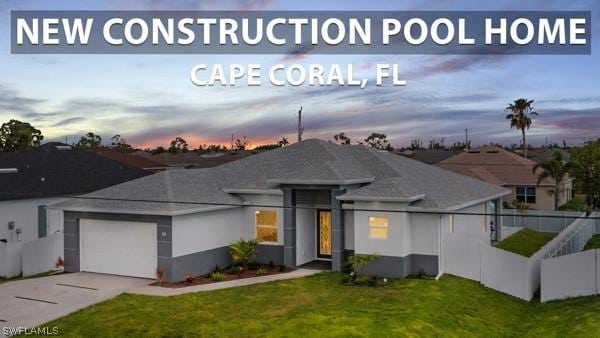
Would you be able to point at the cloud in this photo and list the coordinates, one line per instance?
(12, 101)
(68, 121)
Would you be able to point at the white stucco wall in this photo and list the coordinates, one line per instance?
(398, 242)
(306, 236)
(472, 226)
(25, 215)
(424, 234)
(207, 230)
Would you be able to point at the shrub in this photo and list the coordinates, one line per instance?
(359, 262)
(261, 271)
(189, 279)
(217, 276)
(243, 251)
(271, 265)
(217, 269)
(281, 268)
(159, 275)
(233, 269)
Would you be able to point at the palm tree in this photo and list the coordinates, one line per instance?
(554, 168)
(518, 114)
(243, 251)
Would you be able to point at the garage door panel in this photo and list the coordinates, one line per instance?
(120, 248)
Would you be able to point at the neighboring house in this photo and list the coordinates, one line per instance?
(312, 200)
(32, 179)
(194, 159)
(128, 159)
(507, 169)
(542, 154)
(429, 156)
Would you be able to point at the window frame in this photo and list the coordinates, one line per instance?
(276, 226)
(386, 227)
(526, 196)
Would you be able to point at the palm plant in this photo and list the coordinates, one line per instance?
(243, 251)
(554, 168)
(360, 261)
(519, 113)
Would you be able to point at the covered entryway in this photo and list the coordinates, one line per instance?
(119, 248)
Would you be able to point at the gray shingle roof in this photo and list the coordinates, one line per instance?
(385, 176)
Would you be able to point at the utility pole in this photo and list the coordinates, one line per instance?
(467, 139)
(231, 149)
(300, 128)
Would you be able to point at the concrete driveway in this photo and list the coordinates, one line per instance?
(32, 302)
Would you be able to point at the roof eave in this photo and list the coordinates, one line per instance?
(322, 182)
(143, 212)
(381, 199)
(254, 191)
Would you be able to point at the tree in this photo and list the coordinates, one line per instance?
(378, 141)
(554, 168)
(342, 139)
(436, 144)
(120, 143)
(243, 251)
(178, 145)
(89, 140)
(519, 113)
(158, 150)
(283, 142)
(241, 144)
(416, 144)
(16, 135)
(585, 167)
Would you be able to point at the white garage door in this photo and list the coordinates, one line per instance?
(120, 248)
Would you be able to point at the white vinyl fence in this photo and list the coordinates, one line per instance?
(566, 272)
(539, 220)
(505, 271)
(10, 259)
(41, 254)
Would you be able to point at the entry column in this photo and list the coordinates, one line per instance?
(337, 231)
(289, 227)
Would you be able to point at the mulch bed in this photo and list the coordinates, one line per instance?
(205, 279)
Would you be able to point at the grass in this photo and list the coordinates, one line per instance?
(320, 306)
(577, 203)
(525, 242)
(593, 243)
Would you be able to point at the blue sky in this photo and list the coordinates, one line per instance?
(149, 99)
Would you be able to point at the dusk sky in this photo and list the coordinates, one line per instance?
(149, 99)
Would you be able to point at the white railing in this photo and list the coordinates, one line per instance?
(539, 220)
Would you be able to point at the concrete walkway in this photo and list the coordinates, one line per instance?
(32, 302)
(163, 291)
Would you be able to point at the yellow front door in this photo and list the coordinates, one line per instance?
(324, 233)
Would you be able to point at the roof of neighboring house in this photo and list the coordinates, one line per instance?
(541, 154)
(429, 156)
(383, 176)
(194, 159)
(495, 165)
(56, 169)
(127, 158)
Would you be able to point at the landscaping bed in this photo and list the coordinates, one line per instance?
(526, 242)
(231, 273)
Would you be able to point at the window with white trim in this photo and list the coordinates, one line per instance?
(526, 194)
(266, 225)
(378, 227)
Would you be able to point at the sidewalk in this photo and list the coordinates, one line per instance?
(163, 291)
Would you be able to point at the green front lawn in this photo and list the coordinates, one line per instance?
(577, 203)
(593, 243)
(320, 306)
(526, 242)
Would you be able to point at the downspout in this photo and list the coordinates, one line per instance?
(440, 272)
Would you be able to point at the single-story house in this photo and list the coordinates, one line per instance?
(194, 159)
(507, 169)
(34, 178)
(312, 200)
(128, 159)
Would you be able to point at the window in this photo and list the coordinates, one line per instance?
(266, 225)
(378, 227)
(526, 194)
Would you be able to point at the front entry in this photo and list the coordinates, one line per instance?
(324, 234)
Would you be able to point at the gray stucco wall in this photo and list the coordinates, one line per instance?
(400, 267)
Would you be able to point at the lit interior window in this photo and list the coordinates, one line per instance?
(378, 227)
(266, 226)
